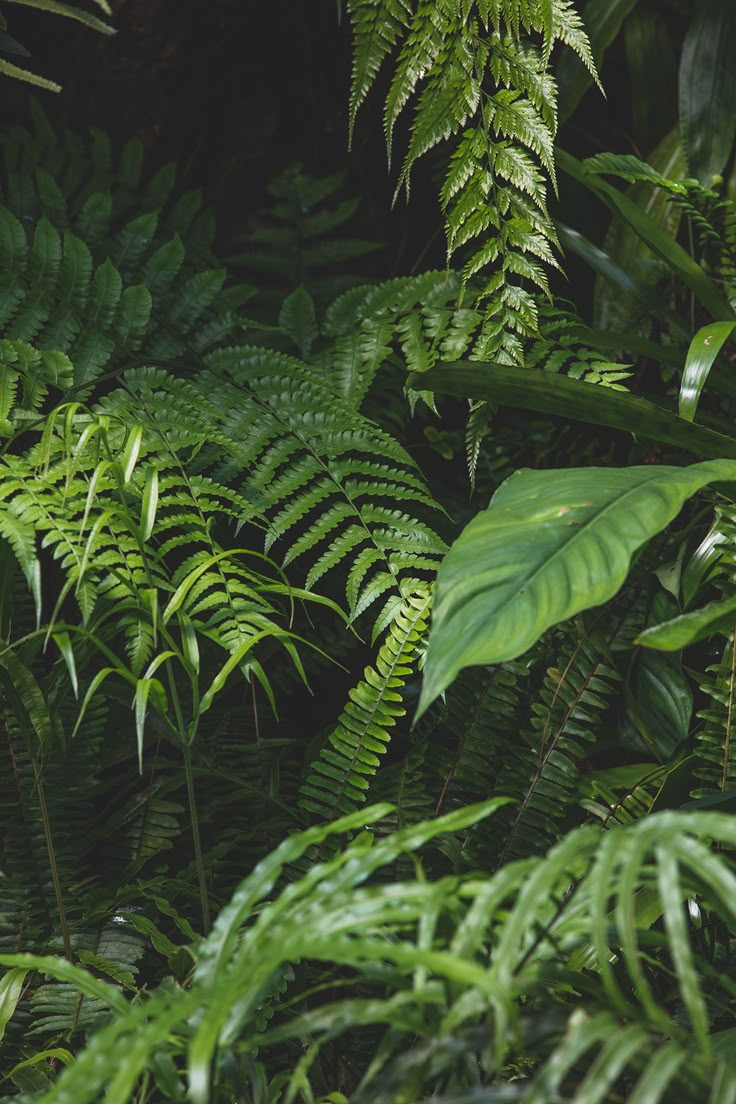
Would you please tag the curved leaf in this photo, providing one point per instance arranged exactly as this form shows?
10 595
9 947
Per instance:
552 543
11 987
704 348
671 636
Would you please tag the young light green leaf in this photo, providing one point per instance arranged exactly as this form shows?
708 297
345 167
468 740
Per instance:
19 73
552 543
704 348
65 971
131 452
143 690
189 643
672 895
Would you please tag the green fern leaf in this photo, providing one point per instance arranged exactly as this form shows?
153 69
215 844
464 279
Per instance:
339 778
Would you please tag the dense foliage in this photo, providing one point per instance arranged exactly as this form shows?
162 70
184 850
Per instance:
368 646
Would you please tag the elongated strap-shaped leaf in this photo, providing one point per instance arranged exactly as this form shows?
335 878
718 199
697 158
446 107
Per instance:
652 234
671 636
530 389
19 73
704 348
71 11
552 543
707 90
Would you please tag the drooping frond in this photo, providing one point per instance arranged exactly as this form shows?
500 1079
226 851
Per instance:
476 74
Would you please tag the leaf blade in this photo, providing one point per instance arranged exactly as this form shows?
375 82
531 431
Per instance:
550 545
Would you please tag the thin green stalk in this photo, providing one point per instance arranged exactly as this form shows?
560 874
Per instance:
192 800
56 881
199 862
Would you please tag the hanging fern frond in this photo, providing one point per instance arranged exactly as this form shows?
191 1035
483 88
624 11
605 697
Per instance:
475 74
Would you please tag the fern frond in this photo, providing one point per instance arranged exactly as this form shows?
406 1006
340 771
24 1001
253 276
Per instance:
474 72
302 450
339 778
715 751
542 772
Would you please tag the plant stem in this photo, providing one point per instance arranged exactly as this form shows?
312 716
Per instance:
184 740
199 862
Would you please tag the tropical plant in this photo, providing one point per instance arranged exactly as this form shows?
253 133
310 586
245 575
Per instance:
229 616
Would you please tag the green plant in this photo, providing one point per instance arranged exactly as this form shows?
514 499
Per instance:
228 614
10 45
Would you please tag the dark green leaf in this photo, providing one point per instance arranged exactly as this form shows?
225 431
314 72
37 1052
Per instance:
583 402
707 91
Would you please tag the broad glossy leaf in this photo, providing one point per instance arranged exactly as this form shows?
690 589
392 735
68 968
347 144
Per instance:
704 348
671 636
552 543
546 393
707 91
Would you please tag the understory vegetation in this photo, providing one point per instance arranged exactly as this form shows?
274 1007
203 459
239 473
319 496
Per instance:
368 628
